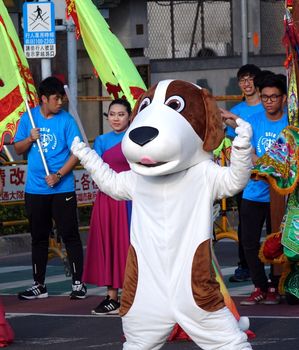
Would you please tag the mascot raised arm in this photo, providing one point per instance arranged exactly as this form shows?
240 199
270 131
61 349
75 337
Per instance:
173 183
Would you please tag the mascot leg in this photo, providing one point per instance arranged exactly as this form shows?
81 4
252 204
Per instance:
146 316
216 330
144 333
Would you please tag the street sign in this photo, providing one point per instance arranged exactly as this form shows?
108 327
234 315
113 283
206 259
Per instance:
39 29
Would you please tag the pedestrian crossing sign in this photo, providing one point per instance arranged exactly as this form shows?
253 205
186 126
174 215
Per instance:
39 29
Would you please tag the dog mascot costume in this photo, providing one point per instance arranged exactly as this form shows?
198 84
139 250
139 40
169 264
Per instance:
173 183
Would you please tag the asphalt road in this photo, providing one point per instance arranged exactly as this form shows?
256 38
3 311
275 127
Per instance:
56 332
59 323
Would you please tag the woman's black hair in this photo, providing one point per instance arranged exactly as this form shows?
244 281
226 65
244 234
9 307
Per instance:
123 102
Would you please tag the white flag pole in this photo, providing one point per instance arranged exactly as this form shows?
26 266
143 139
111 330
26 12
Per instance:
8 154
38 140
74 112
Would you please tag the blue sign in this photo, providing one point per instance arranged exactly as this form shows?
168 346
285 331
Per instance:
39 29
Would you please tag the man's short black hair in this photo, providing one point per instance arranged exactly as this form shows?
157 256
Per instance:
51 86
248 69
258 79
278 81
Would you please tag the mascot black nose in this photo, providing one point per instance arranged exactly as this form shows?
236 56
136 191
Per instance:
143 135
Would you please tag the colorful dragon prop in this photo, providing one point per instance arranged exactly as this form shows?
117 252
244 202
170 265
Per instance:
279 166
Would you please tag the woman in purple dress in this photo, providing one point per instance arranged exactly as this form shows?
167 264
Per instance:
108 239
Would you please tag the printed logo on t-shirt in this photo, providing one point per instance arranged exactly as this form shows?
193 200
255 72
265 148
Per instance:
48 140
266 141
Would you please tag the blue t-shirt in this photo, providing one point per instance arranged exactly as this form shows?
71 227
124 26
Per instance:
244 111
265 133
56 137
106 141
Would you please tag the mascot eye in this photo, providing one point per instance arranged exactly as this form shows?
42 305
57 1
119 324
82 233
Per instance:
144 104
175 102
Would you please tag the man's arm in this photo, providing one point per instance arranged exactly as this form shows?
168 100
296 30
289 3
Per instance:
24 145
255 157
53 179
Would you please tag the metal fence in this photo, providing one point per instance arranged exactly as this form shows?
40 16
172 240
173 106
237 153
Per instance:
272 27
196 28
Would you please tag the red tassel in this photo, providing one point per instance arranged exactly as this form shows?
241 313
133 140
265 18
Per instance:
6 332
251 335
178 334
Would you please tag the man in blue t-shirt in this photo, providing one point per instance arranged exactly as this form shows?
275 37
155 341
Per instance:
255 209
50 196
251 104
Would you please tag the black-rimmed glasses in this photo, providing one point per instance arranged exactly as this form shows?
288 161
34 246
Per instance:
249 80
272 98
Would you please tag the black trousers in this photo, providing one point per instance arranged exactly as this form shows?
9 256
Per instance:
242 259
253 217
41 210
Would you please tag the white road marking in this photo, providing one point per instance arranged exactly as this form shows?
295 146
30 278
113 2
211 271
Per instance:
8 269
235 289
271 341
10 315
103 345
47 341
28 283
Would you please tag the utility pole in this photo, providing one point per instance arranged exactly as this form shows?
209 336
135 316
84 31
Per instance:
72 60
244 27
46 70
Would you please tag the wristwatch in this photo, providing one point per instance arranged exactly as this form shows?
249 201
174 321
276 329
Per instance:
58 174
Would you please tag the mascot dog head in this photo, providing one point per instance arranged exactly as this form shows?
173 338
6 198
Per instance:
175 125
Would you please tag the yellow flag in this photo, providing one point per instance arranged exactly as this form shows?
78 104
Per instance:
16 83
110 59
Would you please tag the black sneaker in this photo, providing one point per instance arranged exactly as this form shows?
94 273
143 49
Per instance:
79 291
107 307
37 291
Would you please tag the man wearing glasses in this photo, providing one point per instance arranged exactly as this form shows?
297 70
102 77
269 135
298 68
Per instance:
255 209
250 105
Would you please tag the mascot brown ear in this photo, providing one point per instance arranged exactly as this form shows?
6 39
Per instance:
149 93
214 133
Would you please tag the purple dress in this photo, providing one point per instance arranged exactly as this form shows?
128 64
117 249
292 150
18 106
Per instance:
108 239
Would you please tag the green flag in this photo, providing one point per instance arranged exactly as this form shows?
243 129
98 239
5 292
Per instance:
16 83
111 61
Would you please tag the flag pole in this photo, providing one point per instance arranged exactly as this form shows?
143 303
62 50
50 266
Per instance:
74 112
38 140
8 154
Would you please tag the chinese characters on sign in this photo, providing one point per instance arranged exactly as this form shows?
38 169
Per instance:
14 177
39 30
